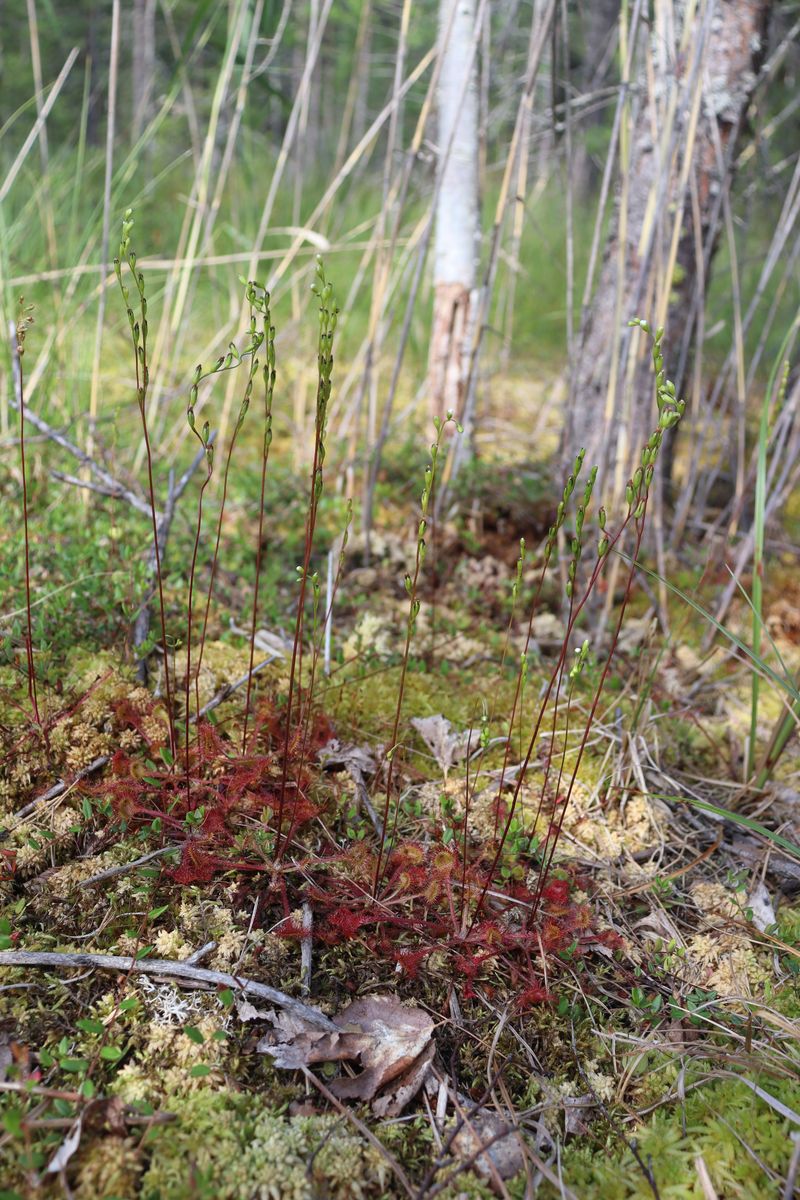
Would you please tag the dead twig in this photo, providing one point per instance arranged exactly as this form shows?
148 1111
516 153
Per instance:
58 789
178 972
230 688
112 487
200 954
123 868
306 949
794 1165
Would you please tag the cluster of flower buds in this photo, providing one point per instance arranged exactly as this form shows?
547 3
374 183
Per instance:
579 662
328 317
577 541
138 326
670 411
561 510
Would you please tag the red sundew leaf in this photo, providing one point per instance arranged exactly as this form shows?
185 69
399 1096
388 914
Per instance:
552 935
443 864
607 937
291 929
408 880
535 993
581 918
411 960
195 866
434 891
556 891
120 764
209 744
410 854
215 821
246 775
347 923
488 934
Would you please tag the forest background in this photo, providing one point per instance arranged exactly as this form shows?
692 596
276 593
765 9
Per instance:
573 224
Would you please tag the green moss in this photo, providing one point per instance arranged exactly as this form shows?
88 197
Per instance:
229 1145
721 1118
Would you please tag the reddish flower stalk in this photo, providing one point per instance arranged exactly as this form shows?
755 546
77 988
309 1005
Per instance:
328 318
412 583
209 449
542 709
139 339
240 420
315 655
547 862
22 327
269 387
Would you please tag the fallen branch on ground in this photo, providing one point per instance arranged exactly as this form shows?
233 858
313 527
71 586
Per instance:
58 789
178 972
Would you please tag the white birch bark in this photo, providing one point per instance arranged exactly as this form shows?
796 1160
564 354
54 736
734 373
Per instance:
457 216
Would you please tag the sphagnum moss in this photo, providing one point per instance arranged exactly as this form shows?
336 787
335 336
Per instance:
230 1146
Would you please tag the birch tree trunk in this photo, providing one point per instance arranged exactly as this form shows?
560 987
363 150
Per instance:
676 154
457 216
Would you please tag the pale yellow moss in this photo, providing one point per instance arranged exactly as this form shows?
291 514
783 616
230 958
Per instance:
371 633
722 957
163 1067
108 1167
169 943
716 902
602 1084
222 664
62 882
51 828
610 831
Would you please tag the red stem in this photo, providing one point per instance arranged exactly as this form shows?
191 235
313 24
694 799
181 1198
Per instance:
213 571
587 730
32 694
523 770
259 556
189 633
298 631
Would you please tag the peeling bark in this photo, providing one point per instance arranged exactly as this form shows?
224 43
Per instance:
612 405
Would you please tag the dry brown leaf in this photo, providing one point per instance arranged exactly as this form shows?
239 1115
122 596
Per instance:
760 902
576 1113
447 746
358 761
387 1038
496 1145
406 1086
6 1054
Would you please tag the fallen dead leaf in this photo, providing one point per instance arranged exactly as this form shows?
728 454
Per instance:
577 1110
447 746
484 1134
66 1150
392 1042
344 756
760 903
406 1086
